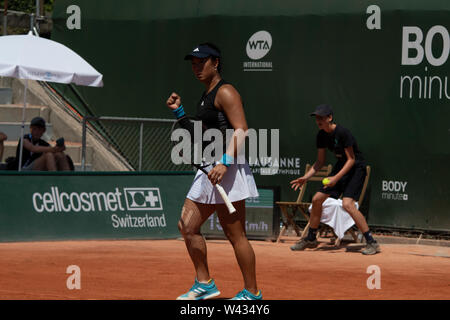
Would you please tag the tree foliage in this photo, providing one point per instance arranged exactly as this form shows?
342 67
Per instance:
28 6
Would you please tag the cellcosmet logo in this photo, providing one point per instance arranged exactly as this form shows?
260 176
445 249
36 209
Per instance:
131 199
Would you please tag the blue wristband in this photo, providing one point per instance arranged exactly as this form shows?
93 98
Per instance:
179 112
226 160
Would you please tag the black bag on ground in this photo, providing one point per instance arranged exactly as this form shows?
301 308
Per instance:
12 163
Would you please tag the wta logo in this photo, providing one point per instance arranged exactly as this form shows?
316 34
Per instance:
257 47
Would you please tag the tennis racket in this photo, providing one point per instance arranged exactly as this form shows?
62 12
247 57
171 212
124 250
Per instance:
188 123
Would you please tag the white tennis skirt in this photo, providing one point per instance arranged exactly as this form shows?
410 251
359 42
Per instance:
238 183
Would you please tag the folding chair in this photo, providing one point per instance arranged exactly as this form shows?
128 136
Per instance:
290 209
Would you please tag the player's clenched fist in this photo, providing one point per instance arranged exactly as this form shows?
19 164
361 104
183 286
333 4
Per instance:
174 101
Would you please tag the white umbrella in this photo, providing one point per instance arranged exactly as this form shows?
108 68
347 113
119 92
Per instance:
35 58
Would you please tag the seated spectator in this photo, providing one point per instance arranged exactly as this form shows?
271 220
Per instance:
37 154
3 137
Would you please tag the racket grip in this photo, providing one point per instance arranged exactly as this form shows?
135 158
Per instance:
225 198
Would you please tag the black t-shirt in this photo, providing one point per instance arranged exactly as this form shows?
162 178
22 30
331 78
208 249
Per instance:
28 156
337 141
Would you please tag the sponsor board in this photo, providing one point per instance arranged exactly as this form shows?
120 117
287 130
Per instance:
92 206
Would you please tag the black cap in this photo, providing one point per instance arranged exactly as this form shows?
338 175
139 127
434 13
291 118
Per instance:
322 110
202 51
38 122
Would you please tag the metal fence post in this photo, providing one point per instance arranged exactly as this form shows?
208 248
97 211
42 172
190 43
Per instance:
141 134
5 18
5 25
83 146
31 22
38 14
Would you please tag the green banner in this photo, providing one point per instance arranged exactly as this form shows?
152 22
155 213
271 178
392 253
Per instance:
382 66
91 206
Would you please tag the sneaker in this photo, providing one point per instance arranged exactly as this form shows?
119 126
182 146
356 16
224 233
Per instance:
371 248
201 291
247 295
303 244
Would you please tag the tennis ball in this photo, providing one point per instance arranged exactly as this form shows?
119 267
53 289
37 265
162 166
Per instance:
325 181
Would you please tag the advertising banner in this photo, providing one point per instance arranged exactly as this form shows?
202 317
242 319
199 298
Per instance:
91 206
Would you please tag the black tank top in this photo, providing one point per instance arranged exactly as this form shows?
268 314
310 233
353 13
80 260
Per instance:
210 116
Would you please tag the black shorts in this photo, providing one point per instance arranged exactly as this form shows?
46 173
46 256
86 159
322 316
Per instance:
350 185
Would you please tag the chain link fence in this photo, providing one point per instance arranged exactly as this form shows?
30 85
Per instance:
144 143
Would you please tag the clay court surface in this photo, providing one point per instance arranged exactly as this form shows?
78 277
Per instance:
161 269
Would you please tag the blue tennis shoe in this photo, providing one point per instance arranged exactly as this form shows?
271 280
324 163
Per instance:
201 291
247 295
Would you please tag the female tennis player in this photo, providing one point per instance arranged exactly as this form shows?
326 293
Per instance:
347 178
220 107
